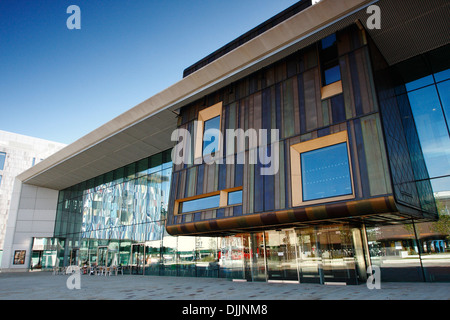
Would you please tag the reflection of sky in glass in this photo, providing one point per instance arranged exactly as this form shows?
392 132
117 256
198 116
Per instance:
210 138
419 83
329 41
2 160
332 75
444 94
432 130
440 184
443 75
325 172
235 197
200 204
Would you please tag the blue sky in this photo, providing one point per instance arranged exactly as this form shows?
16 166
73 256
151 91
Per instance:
60 84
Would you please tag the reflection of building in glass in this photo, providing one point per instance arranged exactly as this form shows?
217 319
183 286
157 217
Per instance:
363 152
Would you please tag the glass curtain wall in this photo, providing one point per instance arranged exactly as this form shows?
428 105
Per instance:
109 220
421 251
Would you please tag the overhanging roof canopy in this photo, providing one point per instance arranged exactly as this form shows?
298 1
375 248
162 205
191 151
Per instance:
408 28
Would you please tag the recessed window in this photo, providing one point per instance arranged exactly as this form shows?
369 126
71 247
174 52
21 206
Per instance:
235 197
329 67
2 160
207 139
218 199
326 173
211 135
328 41
321 170
200 204
331 75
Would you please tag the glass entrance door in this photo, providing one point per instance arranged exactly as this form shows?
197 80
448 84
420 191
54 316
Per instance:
137 258
257 256
336 247
102 253
281 255
73 257
309 258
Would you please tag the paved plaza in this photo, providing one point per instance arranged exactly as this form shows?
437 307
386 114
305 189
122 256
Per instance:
46 286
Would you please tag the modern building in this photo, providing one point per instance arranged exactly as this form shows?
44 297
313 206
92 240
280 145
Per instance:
305 150
18 153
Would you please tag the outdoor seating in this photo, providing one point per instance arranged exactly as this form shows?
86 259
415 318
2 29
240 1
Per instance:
55 270
89 270
119 269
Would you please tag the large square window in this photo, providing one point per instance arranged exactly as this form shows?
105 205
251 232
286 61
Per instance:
326 173
321 170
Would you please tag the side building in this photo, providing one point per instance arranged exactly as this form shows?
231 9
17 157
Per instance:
17 154
306 150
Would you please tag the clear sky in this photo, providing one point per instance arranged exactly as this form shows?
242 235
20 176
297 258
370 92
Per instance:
60 84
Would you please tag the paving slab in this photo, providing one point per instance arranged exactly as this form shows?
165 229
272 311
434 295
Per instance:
46 286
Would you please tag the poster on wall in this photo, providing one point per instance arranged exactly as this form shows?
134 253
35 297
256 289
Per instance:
19 257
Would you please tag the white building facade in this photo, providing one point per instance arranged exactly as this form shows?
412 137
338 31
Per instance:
17 154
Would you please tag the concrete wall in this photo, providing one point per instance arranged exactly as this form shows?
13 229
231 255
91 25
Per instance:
32 214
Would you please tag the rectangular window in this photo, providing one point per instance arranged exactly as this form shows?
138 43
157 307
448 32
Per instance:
332 74
235 197
211 135
328 42
208 138
213 200
321 170
2 160
200 204
329 67
326 173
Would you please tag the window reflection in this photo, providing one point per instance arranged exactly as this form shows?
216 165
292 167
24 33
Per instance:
2 160
332 74
444 95
432 130
326 172
234 197
200 204
419 83
395 250
210 135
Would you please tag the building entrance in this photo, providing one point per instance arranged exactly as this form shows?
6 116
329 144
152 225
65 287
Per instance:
281 249
325 254
137 258
102 253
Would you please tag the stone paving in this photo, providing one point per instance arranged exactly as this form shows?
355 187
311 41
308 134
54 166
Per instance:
46 286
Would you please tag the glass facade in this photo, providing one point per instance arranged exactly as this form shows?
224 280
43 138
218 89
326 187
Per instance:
421 251
100 220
